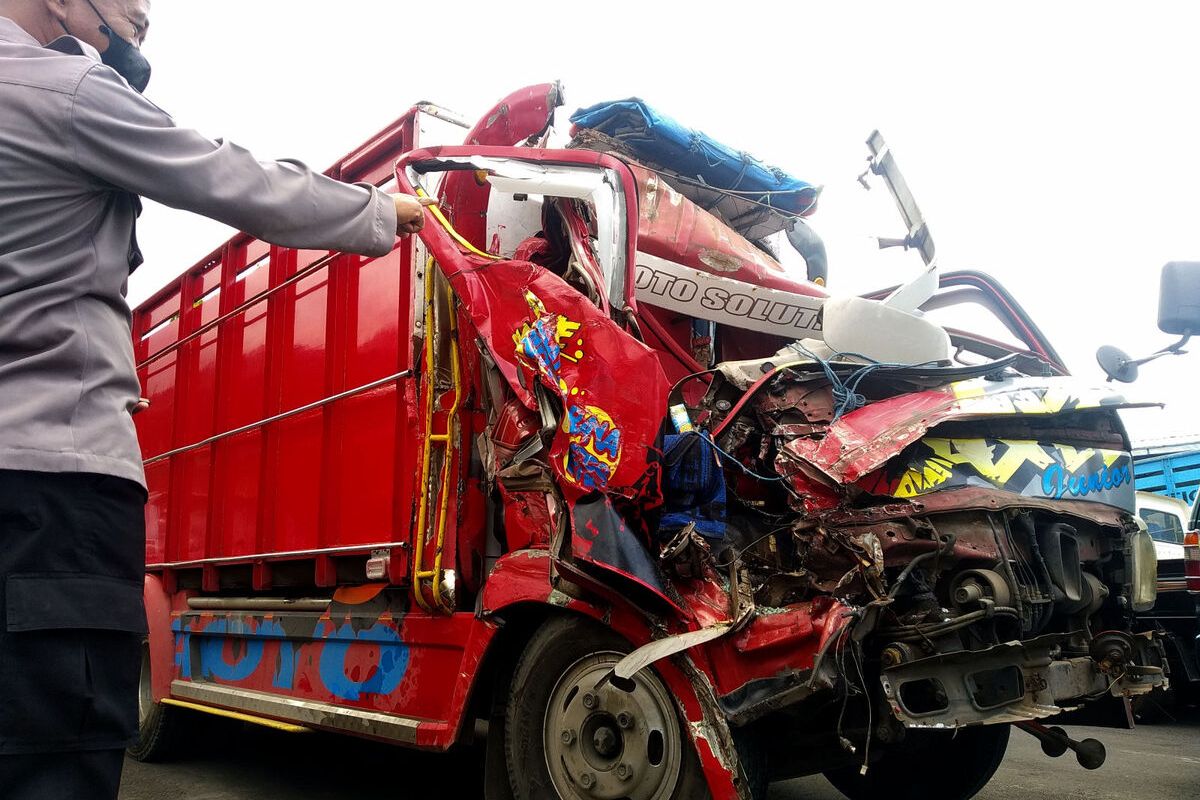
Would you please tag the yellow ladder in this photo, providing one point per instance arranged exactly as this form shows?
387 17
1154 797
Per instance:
433 576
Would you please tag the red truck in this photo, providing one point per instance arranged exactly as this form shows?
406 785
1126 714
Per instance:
585 463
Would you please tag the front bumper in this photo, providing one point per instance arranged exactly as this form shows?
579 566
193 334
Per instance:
1014 681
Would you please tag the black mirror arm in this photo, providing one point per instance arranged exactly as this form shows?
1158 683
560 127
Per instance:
1174 349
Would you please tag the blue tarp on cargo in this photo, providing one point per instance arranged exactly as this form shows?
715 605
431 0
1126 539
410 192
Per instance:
658 139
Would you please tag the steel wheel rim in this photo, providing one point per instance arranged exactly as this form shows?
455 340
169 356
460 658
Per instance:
607 744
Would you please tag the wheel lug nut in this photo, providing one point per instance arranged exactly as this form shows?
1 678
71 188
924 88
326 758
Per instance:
587 780
591 701
625 720
624 772
567 736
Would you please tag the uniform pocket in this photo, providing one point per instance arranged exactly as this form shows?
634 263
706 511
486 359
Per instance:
62 601
70 652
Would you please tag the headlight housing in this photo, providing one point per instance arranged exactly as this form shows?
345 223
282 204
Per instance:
1143 569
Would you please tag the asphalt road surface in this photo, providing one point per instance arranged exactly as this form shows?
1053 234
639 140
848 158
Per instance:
230 761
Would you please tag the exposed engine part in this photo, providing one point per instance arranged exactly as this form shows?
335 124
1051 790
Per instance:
686 555
979 602
1059 548
898 653
1008 682
1112 651
975 587
1093 593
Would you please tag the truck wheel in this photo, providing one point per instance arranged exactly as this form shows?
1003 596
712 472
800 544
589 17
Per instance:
566 739
929 765
156 722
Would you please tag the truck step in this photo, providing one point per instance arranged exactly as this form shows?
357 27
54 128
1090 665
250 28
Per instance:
266 722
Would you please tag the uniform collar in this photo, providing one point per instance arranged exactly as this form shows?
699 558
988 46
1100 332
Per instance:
13 33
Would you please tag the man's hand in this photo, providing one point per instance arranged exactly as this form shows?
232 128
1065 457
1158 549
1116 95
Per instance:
410 213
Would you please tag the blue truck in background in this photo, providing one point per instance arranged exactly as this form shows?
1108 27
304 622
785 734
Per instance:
1170 474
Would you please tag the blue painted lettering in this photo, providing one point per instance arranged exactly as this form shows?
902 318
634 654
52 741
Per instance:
1058 483
604 437
382 679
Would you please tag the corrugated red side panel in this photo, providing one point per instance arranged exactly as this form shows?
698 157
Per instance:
233 349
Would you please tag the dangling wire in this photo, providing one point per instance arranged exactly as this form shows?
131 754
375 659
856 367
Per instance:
737 462
845 390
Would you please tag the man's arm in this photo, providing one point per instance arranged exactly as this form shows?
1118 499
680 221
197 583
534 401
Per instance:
124 139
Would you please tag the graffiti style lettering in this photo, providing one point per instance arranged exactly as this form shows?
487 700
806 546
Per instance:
594 428
183 652
249 640
1057 482
540 348
382 677
1022 467
586 469
285 663
544 343
594 448
593 439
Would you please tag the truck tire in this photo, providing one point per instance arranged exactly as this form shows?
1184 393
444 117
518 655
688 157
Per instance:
567 740
929 765
157 723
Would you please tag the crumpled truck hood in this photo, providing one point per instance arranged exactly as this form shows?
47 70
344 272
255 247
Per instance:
862 441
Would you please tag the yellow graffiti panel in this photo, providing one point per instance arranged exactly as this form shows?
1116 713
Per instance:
1019 466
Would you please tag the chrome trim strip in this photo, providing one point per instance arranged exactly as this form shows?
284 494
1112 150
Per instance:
276 555
304 712
253 604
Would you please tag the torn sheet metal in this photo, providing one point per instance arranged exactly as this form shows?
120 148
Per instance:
611 386
778 650
584 262
659 649
862 441
527 490
675 229
523 114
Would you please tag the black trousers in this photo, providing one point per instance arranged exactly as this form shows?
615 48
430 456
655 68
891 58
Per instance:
62 776
72 555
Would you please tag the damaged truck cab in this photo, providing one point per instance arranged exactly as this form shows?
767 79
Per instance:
587 463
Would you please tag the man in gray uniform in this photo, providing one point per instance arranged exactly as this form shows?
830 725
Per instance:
78 145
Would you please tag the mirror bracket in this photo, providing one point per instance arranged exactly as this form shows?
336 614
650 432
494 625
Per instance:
1120 367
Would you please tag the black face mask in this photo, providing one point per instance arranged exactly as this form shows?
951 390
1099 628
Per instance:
126 59
122 56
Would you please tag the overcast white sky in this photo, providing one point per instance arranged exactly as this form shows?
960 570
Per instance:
1053 145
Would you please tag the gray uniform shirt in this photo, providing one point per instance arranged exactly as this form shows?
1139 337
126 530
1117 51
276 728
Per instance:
77 146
